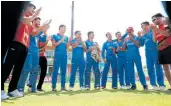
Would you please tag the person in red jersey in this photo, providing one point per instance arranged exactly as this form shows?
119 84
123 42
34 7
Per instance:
17 51
162 34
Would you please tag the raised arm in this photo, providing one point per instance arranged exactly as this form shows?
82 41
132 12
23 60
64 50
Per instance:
154 36
27 20
124 36
154 32
136 42
124 44
74 44
43 28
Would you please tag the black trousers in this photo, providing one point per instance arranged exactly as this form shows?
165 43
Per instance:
43 67
15 58
164 56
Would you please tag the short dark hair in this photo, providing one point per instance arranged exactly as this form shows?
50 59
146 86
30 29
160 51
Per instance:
76 32
107 33
29 5
146 23
90 32
157 15
61 26
117 33
37 18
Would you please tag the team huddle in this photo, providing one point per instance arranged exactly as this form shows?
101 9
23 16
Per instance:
27 53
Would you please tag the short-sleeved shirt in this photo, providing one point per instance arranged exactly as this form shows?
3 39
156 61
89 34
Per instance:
108 48
62 47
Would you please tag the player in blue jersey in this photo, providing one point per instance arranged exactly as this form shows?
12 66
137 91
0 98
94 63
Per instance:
154 68
109 58
78 61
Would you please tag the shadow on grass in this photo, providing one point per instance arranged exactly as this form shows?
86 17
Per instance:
10 100
139 91
70 93
42 93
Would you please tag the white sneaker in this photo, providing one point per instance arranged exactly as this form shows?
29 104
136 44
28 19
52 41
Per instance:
15 93
128 87
22 93
154 88
71 88
161 88
123 87
81 88
4 95
97 88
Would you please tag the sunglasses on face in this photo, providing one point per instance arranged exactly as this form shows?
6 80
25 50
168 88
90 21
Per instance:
154 19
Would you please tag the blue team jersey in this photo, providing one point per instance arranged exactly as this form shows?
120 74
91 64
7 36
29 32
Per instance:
62 47
120 53
77 52
42 38
34 41
148 41
108 48
88 45
132 49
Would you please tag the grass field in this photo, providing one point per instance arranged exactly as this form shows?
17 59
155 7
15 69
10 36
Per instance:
107 97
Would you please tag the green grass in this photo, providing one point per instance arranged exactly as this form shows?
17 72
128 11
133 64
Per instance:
93 97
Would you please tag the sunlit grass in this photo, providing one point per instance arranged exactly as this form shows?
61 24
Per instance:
107 97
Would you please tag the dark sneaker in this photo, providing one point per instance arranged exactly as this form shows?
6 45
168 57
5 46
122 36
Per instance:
54 90
29 85
145 87
64 90
115 88
40 90
133 88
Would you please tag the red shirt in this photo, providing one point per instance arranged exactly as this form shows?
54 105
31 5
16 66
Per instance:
23 34
42 52
158 35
